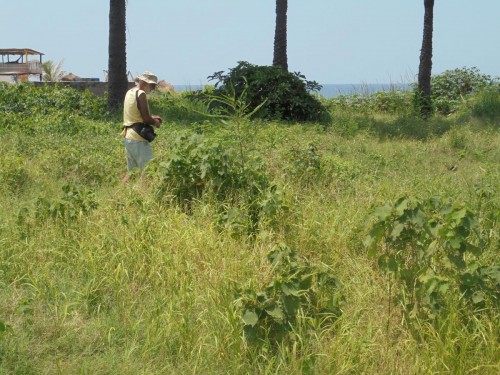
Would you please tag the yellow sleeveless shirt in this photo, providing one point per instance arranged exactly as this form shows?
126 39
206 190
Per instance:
131 114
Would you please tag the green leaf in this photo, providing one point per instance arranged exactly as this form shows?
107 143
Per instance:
376 233
276 312
477 297
433 247
419 218
2 327
434 228
468 280
382 212
368 241
492 272
388 263
396 231
444 287
250 318
401 205
372 250
291 304
289 289
393 263
475 250
457 260
431 285
306 282
455 242
250 333
459 214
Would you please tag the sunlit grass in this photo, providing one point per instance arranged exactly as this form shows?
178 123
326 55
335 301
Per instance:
140 285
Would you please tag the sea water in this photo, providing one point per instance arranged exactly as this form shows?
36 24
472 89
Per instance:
330 90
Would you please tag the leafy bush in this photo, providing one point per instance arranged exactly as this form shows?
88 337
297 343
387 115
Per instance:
432 248
393 102
348 125
298 289
198 165
285 94
76 202
26 101
450 88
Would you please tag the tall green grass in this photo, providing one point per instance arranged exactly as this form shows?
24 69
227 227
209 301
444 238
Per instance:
97 277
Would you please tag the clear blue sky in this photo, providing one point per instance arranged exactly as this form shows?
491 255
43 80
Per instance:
330 41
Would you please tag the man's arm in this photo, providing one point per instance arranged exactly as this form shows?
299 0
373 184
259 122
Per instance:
144 109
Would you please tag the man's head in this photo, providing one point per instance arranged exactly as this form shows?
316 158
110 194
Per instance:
147 81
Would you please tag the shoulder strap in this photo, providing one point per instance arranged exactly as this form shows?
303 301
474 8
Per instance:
137 100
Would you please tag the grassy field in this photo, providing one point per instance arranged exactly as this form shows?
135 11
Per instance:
153 277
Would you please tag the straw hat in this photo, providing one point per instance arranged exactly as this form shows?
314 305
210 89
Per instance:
147 77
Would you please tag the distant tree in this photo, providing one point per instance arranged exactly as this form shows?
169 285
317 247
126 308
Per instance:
52 72
117 55
425 67
280 57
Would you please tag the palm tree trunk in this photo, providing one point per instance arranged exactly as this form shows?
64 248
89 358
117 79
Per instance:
425 67
280 57
117 60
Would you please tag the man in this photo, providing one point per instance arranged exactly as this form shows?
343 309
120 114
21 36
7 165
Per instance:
135 116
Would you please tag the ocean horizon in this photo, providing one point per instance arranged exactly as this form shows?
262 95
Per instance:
332 90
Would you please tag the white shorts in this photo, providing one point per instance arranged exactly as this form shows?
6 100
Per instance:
138 153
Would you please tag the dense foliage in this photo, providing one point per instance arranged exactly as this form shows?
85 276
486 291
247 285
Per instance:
452 87
434 249
27 101
285 95
240 249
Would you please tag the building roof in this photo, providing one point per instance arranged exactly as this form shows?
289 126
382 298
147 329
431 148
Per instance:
19 51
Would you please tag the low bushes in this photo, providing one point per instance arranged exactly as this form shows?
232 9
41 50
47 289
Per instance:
283 95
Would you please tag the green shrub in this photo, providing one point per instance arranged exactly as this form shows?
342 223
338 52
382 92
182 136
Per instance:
285 94
349 125
198 165
25 101
451 88
392 102
433 248
77 201
299 290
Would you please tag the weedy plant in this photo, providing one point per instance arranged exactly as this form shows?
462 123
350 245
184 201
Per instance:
117 281
452 88
486 104
299 293
233 108
13 172
433 248
305 163
76 202
201 168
